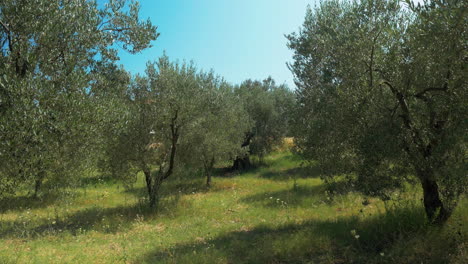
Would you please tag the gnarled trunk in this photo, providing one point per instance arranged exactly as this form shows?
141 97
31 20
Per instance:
149 186
436 212
154 182
243 163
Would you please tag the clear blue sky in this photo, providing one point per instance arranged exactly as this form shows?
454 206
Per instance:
238 39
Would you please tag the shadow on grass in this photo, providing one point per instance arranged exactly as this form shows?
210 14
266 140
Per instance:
345 240
293 197
296 196
289 174
174 187
228 172
98 219
24 202
224 172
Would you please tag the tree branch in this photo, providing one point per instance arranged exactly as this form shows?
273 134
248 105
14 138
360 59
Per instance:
10 44
444 88
174 139
400 97
371 66
430 89
417 140
116 29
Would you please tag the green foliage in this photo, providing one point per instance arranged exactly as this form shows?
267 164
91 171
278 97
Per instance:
48 67
219 130
382 96
268 107
177 118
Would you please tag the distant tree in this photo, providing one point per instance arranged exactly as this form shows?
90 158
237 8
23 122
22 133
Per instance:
268 107
382 96
220 129
50 53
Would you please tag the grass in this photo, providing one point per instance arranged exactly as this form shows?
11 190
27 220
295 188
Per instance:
278 213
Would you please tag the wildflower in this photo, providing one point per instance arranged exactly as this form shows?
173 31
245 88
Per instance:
354 233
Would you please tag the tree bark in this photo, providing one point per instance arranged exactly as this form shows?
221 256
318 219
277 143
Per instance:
208 179
433 205
38 183
208 169
149 186
154 196
241 163
153 200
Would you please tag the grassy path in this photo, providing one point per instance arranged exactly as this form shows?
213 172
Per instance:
280 213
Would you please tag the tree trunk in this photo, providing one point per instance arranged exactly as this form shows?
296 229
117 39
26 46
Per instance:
246 163
38 183
208 169
236 164
153 184
154 196
435 210
208 179
149 187
241 163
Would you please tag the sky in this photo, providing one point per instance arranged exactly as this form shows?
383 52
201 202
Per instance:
237 39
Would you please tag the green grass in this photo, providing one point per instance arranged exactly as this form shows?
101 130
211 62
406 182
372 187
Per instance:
278 213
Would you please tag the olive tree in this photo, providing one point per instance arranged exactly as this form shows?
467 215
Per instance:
218 133
268 108
162 110
382 96
47 68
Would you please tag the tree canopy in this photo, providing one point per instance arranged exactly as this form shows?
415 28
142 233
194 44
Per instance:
48 70
267 106
382 96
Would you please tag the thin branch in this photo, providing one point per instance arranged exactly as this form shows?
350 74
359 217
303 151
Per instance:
371 66
10 44
444 88
430 89
175 139
103 24
399 96
117 29
406 116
